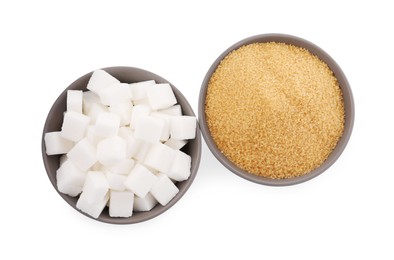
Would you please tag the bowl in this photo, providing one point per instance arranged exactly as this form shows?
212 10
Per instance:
347 98
127 75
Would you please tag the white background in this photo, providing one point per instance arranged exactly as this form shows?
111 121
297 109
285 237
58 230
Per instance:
345 213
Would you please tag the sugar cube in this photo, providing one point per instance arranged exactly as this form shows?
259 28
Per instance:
183 127
74 100
89 98
56 144
83 154
161 96
116 181
149 129
107 124
136 112
160 157
139 89
176 144
96 186
115 94
99 80
95 110
122 167
144 204
167 121
94 208
180 168
121 204
123 110
140 180
74 126
111 150
142 151
70 179
164 189
175 110
132 144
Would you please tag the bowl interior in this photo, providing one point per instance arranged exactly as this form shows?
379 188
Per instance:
126 75
347 97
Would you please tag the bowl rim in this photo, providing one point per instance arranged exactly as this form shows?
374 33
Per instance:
347 98
143 216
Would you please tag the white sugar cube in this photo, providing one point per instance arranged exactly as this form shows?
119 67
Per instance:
123 167
107 124
74 126
99 80
175 110
116 181
165 134
180 168
144 204
136 112
88 99
160 157
74 100
115 94
176 144
183 127
83 154
161 96
95 110
140 180
164 189
70 179
123 111
142 151
149 129
96 186
56 144
111 150
132 144
94 208
139 89
121 204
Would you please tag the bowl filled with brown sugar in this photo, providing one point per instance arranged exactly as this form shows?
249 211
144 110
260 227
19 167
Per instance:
276 109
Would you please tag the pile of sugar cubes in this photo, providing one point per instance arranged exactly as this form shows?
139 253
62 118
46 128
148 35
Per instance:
120 146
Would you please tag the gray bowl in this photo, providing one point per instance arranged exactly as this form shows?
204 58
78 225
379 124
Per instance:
347 96
127 75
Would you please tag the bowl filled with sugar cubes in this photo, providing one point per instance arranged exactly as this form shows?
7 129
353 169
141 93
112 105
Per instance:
121 145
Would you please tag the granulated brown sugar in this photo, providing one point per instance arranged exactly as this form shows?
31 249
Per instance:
274 109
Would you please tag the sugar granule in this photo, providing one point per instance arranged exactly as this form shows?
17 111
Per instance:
274 109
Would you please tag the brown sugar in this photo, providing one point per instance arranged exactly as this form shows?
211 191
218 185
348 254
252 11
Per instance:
274 109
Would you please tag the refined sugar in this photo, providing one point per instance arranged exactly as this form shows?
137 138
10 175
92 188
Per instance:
160 157
83 154
144 102
136 112
140 180
70 179
95 110
74 126
74 100
123 167
123 111
149 129
94 208
176 144
89 98
115 94
164 189
96 186
180 168
183 127
99 80
139 89
161 96
144 204
142 151
111 150
167 121
132 144
107 124
56 144
116 181
172 111
121 204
